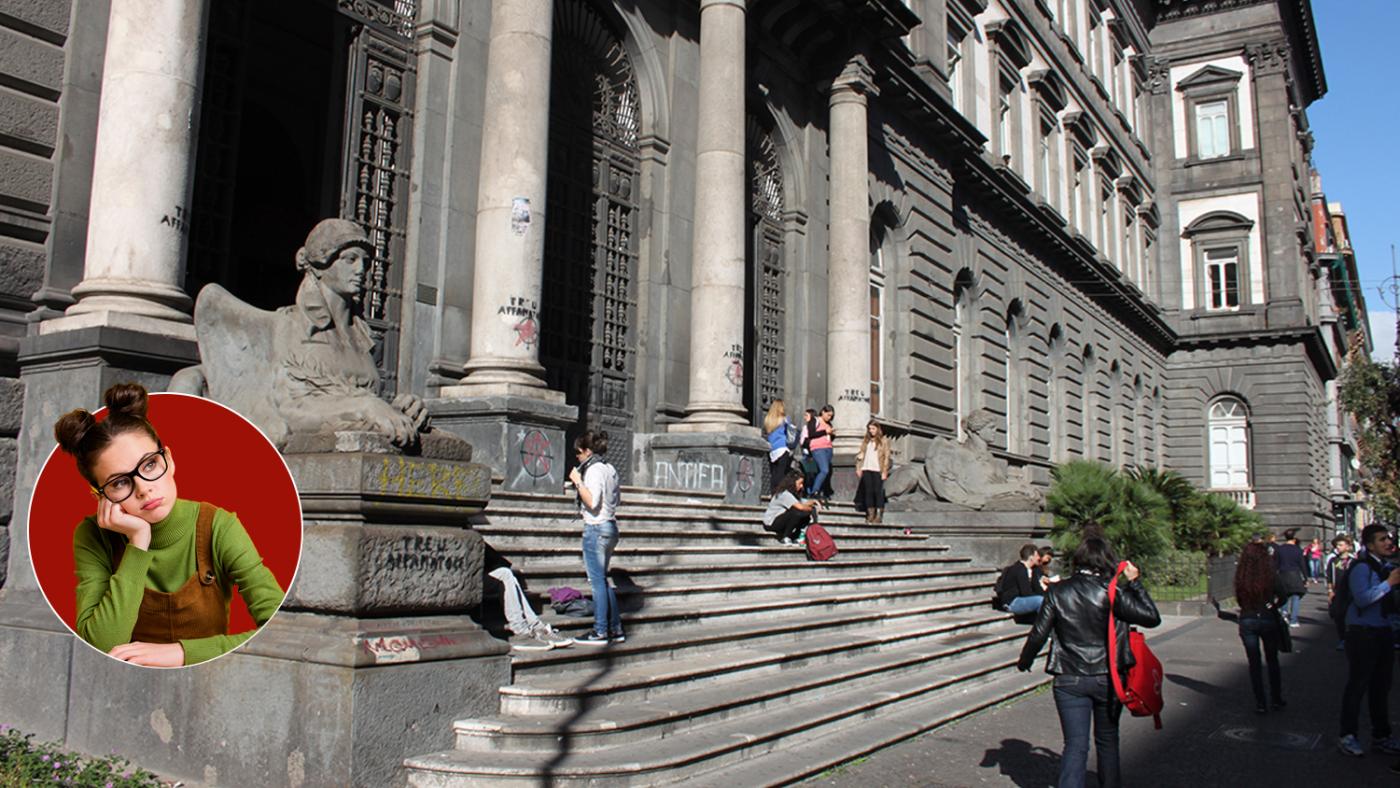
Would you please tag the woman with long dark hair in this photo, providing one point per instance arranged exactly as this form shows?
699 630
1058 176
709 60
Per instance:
1075 613
1256 591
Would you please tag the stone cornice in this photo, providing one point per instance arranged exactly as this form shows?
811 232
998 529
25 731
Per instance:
1168 10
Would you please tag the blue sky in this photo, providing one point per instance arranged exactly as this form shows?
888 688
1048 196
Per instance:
1356 125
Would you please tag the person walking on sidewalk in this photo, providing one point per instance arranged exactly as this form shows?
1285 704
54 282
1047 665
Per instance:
1370 645
777 430
1256 591
873 460
1075 613
1333 569
1292 574
598 496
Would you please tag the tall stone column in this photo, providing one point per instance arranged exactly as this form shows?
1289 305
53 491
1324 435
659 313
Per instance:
721 199
143 171
509 263
848 271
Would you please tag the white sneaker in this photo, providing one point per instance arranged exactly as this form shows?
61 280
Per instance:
531 641
548 634
1348 745
786 540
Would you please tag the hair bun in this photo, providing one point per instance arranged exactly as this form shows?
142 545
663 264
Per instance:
126 399
70 429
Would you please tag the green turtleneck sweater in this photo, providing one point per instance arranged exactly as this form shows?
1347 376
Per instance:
109 602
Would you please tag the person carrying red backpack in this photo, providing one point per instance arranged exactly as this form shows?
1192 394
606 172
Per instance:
1075 613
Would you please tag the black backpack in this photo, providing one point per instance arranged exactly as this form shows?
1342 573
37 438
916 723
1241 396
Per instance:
1341 597
996 593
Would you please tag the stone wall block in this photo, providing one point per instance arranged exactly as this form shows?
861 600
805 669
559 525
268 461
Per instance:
24 176
11 406
28 119
44 18
29 60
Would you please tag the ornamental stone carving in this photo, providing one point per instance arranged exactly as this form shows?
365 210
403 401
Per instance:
304 373
965 473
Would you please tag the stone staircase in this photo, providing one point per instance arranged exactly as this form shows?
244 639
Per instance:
745 664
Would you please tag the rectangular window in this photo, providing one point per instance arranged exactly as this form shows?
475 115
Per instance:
1212 129
1004 130
1079 196
877 316
1045 158
1129 228
955 70
1223 278
1105 238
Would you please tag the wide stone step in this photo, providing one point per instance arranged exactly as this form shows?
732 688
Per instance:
509 538
632 596
628 555
851 625
543 573
755 682
648 615
848 712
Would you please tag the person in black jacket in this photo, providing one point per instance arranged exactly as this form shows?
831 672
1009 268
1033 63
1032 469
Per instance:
1075 613
1019 591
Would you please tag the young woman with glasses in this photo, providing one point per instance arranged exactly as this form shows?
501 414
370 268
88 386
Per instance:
155 572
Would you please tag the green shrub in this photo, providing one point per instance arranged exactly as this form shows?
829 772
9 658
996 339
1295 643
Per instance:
24 763
1175 569
1134 516
1202 522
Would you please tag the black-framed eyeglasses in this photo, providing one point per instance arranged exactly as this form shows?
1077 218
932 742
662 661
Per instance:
151 467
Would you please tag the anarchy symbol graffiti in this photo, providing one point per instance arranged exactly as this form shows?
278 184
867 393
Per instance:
536 454
743 476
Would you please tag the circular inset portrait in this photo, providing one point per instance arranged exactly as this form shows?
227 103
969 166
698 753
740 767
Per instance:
151 515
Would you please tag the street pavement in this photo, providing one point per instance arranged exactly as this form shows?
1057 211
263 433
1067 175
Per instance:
1210 733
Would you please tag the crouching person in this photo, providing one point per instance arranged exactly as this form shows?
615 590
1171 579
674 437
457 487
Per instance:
787 515
527 631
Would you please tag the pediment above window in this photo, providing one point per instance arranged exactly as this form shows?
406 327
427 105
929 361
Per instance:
1218 221
1210 77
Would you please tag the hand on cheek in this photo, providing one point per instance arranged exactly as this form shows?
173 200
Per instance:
152 655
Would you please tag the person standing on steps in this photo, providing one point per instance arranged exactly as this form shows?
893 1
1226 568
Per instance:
819 439
806 463
873 461
1075 613
1257 592
595 481
1370 644
777 430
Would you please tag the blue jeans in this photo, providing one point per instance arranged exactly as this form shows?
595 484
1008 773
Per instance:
598 543
823 458
1022 605
1079 701
1254 630
1290 608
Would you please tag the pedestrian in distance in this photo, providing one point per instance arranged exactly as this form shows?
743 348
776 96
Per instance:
1370 643
1292 573
1019 591
787 515
1333 568
873 460
819 439
1257 592
595 481
1313 553
1075 614
778 432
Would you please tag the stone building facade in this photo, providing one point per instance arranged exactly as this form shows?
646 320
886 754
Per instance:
657 217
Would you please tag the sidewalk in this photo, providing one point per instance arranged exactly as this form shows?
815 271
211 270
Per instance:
1210 734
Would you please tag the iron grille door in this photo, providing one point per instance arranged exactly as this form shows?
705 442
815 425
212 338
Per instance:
766 303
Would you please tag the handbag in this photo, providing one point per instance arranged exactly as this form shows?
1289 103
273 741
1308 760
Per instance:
1140 691
1285 635
809 466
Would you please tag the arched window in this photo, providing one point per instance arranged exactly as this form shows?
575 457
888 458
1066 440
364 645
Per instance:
1015 379
1088 399
1055 396
964 311
1227 425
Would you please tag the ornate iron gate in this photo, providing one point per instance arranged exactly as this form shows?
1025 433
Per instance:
763 333
590 227
378 128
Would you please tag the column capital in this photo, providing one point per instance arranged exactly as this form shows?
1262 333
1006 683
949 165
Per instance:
855 82
1268 57
707 4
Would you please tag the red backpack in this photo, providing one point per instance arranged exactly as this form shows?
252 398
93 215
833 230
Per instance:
1141 693
820 547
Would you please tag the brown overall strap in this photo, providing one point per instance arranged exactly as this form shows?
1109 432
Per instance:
204 544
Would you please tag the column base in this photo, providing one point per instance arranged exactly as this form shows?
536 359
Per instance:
170 325
714 417
521 437
132 296
723 463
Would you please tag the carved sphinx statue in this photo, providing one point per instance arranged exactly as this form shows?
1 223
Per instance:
966 474
305 370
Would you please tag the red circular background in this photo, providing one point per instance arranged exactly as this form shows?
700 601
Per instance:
219 457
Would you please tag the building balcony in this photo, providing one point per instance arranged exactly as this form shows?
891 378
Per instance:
1243 496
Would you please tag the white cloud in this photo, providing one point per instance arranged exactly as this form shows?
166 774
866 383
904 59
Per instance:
1383 335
